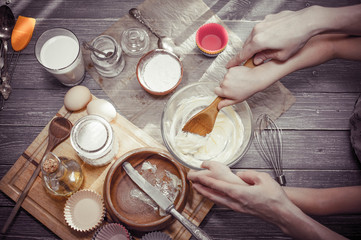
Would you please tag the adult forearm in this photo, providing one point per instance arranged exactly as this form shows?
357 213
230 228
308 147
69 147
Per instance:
295 223
318 50
336 20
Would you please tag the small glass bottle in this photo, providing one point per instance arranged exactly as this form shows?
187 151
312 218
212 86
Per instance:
113 63
61 176
93 139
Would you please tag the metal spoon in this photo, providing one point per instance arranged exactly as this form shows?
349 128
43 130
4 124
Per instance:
163 42
59 130
1 56
87 46
7 23
5 88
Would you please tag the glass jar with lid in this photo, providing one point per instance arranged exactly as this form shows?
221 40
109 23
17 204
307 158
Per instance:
135 41
61 176
113 62
93 139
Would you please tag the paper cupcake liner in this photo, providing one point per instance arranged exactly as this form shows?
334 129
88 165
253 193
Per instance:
209 54
84 210
156 236
211 38
112 231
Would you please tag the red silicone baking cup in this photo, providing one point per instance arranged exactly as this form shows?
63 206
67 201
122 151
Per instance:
212 39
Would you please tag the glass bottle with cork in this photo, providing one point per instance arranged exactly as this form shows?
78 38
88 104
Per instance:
61 176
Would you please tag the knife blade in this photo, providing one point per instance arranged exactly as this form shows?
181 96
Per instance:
163 202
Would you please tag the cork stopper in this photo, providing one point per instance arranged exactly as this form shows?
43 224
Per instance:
50 165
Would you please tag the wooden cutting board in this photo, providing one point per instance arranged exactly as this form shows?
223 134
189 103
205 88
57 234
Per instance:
49 210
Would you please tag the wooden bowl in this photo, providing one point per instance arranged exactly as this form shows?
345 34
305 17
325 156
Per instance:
130 211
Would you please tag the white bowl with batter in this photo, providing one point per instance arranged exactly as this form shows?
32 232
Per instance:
227 143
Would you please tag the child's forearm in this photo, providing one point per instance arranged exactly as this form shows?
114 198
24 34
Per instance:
347 47
326 201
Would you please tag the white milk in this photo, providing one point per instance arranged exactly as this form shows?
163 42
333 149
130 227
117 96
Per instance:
59 55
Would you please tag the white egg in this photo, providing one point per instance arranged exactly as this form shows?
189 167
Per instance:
102 108
77 98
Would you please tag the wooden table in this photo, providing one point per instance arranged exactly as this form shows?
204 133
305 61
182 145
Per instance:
317 150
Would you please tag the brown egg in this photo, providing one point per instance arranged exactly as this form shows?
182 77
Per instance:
77 98
103 108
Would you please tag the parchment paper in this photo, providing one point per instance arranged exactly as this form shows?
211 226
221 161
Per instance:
178 20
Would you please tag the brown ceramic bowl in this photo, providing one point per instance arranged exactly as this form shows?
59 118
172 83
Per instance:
132 212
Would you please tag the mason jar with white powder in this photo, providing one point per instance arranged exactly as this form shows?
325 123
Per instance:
93 139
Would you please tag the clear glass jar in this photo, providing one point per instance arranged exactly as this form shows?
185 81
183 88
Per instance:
61 176
134 41
93 139
113 63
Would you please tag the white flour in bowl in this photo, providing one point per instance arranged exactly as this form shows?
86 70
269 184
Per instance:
161 73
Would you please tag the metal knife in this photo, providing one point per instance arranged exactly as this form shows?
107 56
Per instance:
163 202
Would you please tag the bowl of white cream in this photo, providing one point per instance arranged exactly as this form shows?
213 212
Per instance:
229 140
159 72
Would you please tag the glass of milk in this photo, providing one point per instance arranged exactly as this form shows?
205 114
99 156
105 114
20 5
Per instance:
58 51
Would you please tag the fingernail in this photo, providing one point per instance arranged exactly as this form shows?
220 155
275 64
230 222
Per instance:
257 61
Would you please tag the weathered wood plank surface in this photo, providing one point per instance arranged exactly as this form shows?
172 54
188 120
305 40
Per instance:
317 149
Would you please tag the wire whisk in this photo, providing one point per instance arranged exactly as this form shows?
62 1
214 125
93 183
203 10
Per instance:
269 145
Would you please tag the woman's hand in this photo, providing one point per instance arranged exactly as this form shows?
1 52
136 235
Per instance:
217 171
278 36
249 192
258 194
241 82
